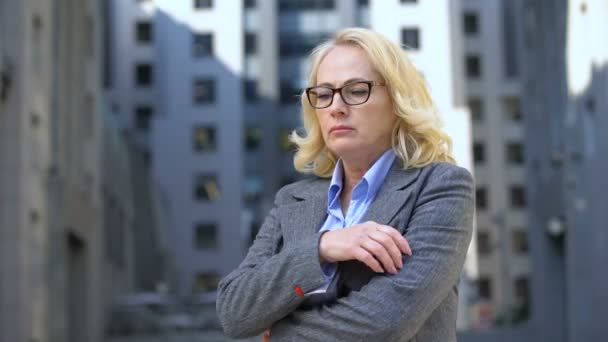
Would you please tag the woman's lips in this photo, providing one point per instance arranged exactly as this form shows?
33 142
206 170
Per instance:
340 129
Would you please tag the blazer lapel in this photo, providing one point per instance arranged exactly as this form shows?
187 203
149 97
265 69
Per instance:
305 217
392 195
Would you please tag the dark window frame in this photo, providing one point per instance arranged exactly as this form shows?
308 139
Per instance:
410 38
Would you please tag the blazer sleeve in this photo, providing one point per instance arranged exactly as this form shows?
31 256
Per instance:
394 307
268 284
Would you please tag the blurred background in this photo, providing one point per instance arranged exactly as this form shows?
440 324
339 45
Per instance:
142 142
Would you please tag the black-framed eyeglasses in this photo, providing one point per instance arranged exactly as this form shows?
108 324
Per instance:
354 93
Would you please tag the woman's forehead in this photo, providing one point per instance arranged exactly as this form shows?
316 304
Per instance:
344 63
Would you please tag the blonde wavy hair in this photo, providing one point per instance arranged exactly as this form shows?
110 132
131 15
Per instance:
417 136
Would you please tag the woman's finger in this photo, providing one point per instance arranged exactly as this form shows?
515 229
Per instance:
365 257
389 244
380 253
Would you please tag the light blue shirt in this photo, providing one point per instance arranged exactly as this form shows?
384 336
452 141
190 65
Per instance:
362 197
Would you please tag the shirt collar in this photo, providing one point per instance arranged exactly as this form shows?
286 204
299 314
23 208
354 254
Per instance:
373 178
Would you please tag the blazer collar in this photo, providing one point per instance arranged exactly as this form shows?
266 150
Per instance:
391 197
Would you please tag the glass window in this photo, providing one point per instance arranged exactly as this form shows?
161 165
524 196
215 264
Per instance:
521 288
144 75
479 154
303 5
518 197
203 139
473 66
512 108
253 138
143 32
290 94
205 236
252 189
409 1
484 243
200 4
515 153
299 44
206 282
285 143
485 287
202 45
250 87
476 107
250 43
143 115
520 241
410 38
481 199
249 4
203 91
206 187
471 23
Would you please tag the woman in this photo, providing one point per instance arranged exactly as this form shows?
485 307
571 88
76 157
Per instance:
372 247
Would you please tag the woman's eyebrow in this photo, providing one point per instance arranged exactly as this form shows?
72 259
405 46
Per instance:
350 80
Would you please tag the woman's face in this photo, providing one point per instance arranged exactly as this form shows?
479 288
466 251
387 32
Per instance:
354 132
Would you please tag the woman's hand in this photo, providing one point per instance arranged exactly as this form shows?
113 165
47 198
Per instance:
378 246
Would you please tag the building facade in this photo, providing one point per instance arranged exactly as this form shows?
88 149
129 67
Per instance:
214 105
66 207
494 90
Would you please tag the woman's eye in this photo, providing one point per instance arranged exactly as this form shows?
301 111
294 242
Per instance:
359 92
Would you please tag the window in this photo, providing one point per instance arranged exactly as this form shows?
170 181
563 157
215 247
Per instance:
303 5
250 43
252 189
363 3
512 108
518 197
485 287
473 66
515 153
479 154
248 4
143 75
203 91
200 4
143 114
206 187
285 142
484 243
471 23
510 26
206 282
202 45
203 139
521 288
298 44
409 1
250 87
205 236
253 138
410 38
143 32
520 241
481 199
476 107
289 93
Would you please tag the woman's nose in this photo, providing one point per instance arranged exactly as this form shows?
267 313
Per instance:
338 106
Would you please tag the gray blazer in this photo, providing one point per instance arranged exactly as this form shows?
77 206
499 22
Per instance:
433 206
